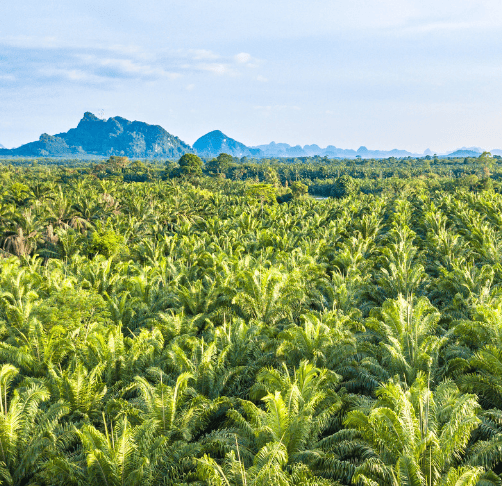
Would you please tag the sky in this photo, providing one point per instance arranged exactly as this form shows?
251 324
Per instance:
385 74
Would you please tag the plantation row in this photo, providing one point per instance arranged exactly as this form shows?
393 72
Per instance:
190 332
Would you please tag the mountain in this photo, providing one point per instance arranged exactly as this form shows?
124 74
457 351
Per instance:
214 143
1 146
114 136
285 150
280 150
312 150
464 152
473 149
332 151
46 146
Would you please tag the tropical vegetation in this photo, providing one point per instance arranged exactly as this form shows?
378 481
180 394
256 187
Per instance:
214 324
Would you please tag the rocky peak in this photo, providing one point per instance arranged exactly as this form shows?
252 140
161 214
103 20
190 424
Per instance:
216 142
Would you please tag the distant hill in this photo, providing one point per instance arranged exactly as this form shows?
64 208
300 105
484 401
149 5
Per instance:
464 153
473 149
285 150
214 143
138 140
115 136
279 150
46 146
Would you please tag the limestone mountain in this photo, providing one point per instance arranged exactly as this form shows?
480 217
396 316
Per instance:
312 150
214 143
285 150
464 152
381 154
281 150
45 146
114 136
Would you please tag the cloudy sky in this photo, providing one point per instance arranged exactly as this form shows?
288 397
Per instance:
410 74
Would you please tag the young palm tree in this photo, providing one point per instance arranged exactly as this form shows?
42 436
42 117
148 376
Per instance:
124 454
409 337
266 295
417 436
298 409
28 431
324 339
401 273
82 390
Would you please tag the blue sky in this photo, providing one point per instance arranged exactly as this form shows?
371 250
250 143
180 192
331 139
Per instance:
380 73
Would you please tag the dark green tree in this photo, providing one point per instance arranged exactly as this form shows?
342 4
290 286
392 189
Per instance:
221 163
190 165
298 189
344 186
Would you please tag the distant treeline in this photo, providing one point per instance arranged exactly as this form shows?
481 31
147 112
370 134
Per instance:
318 173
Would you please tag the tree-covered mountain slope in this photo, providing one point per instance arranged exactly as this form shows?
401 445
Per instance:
114 136
216 142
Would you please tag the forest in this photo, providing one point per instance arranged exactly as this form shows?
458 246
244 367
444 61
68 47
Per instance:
244 323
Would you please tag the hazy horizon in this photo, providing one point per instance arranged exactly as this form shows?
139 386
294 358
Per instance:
473 148
382 74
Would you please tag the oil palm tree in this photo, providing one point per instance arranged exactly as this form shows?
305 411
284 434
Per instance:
324 339
298 409
266 295
28 431
416 436
408 336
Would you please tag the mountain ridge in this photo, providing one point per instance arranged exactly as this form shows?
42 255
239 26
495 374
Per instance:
463 152
114 136
285 150
94 136
216 142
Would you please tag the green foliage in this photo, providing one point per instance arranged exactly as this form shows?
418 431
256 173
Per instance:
344 186
105 243
298 189
190 164
415 436
265 193
191 331
220 164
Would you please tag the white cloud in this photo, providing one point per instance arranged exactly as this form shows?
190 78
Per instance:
28 41
73 75
190 87
218 68
246 59
118 62
130 67
203 55
262 79
243 58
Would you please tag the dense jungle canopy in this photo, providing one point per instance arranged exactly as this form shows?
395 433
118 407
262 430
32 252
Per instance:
216 324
